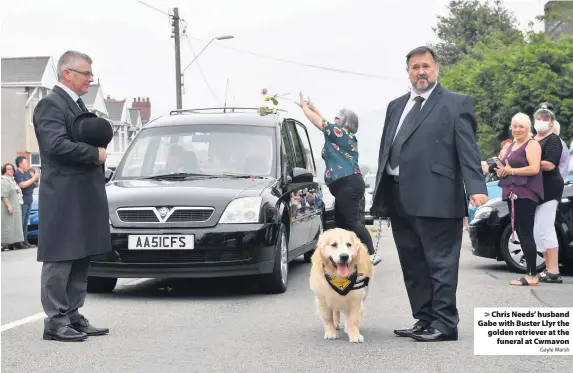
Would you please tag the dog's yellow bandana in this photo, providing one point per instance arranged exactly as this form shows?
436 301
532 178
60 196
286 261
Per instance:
343 285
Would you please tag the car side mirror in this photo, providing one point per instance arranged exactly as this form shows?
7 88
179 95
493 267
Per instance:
108 174
300 175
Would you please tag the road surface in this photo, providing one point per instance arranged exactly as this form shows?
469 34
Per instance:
227 326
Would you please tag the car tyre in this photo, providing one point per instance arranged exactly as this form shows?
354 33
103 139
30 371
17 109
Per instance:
308 255
101 284
506 253
277 281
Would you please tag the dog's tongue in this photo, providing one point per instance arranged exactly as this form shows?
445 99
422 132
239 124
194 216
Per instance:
342 270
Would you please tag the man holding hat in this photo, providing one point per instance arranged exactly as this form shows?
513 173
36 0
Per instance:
73 209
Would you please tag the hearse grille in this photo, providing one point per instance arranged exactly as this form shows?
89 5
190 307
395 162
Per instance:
182 256
164 214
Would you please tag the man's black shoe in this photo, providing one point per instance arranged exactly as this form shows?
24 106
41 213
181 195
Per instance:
64 334
409 332
84 326
434 335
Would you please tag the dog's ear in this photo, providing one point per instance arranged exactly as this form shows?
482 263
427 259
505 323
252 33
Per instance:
317 255
362 258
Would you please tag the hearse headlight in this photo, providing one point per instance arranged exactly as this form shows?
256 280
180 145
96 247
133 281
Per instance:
242 210
482 213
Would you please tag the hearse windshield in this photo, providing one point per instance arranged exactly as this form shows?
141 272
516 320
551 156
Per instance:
196 150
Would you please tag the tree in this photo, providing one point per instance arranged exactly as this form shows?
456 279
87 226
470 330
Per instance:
469 23
515 78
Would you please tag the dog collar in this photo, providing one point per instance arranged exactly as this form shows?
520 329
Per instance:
344 285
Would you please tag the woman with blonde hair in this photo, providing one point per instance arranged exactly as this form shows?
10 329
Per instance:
522 188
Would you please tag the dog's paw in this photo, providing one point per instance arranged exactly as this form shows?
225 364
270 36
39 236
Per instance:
356 338
331 336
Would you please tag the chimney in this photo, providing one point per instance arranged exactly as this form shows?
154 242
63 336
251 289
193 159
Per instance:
144 107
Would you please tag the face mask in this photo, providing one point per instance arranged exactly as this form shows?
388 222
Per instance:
541 126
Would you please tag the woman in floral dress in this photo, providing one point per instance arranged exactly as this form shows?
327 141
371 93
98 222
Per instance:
342 175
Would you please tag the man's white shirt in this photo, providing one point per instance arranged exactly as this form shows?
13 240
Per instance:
407 109
71 93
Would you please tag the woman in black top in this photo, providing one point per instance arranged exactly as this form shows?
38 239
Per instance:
544 228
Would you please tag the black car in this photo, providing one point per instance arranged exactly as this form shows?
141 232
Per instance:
211 193
491 233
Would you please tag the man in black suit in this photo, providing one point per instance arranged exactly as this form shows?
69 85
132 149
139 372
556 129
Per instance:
73 209
429 161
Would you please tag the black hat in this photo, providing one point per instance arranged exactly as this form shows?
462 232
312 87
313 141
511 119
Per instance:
91 129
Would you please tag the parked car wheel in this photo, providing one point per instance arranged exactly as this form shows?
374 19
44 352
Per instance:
101 284
513 255
277 282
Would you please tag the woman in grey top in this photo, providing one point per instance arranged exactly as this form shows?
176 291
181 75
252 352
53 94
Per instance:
12 235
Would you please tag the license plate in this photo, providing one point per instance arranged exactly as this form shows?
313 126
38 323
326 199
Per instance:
161 242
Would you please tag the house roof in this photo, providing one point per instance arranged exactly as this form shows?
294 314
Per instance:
89 98
134 113
23 69
115 109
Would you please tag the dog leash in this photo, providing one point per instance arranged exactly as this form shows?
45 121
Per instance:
379 235
513 197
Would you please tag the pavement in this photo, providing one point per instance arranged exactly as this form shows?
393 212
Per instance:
226 325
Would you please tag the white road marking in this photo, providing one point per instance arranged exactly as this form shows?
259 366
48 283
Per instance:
137 282
24 321
42 315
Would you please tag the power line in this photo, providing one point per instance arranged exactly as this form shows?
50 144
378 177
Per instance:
199 66
309 65
342 71
174 20
154 8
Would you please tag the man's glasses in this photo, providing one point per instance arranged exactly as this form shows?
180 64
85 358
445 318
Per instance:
84 73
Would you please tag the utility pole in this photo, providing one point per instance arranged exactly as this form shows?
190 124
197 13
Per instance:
175 35
226 92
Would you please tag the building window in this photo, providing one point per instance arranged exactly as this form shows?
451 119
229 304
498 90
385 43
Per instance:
35 160
37 95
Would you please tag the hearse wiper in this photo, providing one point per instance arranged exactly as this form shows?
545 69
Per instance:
177 175
242 176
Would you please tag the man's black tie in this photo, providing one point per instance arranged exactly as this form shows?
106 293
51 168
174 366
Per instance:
82 105
403 132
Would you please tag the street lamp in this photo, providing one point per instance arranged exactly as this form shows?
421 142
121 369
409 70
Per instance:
224 37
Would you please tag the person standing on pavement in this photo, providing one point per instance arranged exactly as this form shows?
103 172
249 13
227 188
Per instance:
565 157
11 218
544 228
429 165
523 190
27 183
73 209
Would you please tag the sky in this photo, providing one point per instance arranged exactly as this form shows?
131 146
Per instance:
133 51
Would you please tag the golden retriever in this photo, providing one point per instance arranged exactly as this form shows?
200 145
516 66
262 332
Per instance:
339 253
